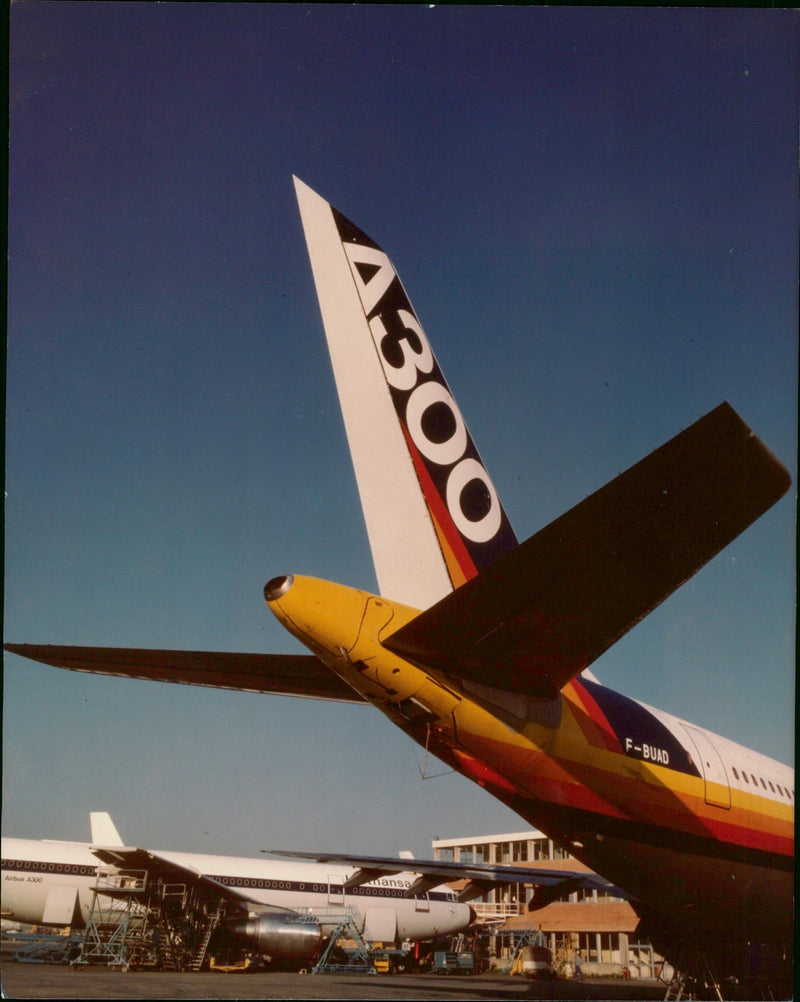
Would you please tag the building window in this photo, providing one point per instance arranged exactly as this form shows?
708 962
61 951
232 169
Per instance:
587 946
541 849
609 948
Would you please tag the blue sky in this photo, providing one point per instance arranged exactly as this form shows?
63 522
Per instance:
594 212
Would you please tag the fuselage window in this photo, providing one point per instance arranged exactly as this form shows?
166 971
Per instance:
763 783
755 781
736 774
744 777
770 785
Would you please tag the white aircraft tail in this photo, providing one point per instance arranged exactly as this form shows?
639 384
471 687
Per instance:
104 831
434 519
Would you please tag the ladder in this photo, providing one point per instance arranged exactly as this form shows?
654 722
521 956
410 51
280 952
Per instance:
680 985
213 921
565 954
676 987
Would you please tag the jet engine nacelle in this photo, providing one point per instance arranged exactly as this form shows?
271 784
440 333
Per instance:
281 934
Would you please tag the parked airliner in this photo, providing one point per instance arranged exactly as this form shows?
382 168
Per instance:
477 645
51 883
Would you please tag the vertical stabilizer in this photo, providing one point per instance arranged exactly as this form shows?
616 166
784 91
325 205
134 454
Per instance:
434 519
104 831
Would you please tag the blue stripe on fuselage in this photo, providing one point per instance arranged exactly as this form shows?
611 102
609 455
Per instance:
640 733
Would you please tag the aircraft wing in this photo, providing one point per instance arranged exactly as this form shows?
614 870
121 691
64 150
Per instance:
157 867
281 674
481 877
544 611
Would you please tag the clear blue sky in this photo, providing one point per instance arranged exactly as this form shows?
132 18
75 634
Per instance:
594 212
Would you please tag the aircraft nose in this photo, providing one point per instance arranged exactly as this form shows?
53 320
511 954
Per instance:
277 587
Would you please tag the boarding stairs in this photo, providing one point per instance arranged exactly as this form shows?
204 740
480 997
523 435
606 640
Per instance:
211 924
347 952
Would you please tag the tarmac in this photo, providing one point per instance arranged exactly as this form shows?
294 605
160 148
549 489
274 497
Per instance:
59 981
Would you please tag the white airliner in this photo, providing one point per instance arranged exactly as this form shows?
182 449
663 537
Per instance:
51 883
477 646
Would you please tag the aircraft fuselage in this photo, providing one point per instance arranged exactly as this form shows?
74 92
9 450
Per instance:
31 870
660 806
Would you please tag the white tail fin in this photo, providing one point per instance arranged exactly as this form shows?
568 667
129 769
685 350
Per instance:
434 519
103 830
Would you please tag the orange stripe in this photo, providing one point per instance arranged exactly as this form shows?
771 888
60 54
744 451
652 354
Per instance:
593 722
579 785
460 565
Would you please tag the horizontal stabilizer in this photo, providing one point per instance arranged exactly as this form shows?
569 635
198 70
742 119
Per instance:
547 609
280 674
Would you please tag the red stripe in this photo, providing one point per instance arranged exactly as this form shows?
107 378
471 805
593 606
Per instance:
590 788
604 729
440 514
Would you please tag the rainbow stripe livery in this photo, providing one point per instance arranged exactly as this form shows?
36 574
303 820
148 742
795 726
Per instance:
477 647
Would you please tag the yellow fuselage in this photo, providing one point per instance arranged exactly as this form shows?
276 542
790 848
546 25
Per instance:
641 820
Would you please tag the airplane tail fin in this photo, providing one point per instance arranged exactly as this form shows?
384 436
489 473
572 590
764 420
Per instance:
104 831
434 519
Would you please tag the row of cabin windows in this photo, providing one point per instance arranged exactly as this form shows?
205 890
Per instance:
776 788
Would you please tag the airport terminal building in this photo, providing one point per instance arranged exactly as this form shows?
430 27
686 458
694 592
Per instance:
596 927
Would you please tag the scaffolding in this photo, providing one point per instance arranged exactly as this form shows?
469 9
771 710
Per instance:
134 922
117 920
